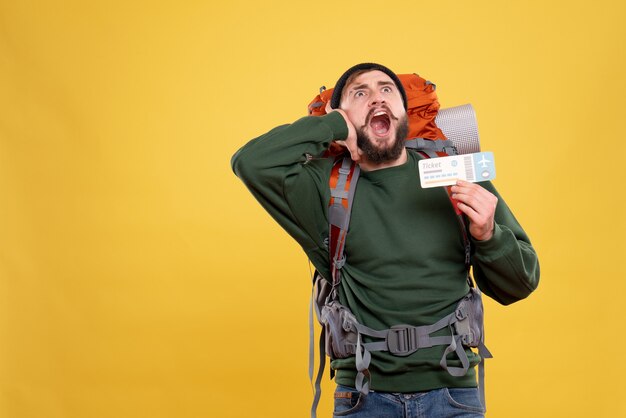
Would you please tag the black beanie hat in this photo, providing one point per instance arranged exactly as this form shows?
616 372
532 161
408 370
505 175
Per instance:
341 83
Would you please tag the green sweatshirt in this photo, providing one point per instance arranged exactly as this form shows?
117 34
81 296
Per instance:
404 248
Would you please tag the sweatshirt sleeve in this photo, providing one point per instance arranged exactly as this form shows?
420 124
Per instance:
506 266
278 169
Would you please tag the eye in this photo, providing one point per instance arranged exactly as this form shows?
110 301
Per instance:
359 93
387 89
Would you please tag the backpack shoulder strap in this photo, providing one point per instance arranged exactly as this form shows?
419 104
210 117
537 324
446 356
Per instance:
343 180
342 183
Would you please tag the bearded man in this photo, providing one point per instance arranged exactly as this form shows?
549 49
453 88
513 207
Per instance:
405 254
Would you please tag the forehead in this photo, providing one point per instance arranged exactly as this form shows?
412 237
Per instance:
370 78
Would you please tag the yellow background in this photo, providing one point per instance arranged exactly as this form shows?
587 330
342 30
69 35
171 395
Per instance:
138 277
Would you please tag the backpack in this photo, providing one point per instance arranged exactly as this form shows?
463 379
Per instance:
341 334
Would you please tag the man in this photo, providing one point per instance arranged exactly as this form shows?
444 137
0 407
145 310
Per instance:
405 257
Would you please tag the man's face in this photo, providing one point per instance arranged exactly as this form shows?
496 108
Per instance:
374 105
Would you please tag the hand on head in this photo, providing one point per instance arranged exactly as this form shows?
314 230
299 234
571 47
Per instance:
350 142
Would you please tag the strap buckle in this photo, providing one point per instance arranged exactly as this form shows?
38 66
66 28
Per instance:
453 149
344 171
461 313
339 263
402 340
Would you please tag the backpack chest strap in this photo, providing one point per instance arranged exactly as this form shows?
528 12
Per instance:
432 148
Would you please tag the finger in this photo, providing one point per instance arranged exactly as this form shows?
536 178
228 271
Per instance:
469 199
475 213
471 213
479 209
354 152
327 108
474 195
466 187
478 222
480 225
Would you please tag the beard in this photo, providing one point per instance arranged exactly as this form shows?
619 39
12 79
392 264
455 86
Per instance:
379 155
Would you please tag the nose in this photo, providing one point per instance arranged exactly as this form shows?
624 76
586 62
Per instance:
376 99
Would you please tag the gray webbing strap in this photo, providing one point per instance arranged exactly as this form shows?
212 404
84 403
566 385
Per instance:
317 387
318 379
370 332
339 191
363 360
403 340
431 147
339 194
484 354
355 176
311 334
481 373
455 346
338 215
424 342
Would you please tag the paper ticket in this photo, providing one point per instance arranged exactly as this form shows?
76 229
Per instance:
445 171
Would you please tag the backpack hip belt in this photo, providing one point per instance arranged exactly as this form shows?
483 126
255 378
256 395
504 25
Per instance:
343 336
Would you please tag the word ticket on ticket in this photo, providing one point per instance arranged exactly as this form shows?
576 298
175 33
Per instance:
445 171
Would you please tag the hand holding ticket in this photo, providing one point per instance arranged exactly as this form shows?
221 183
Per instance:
445 171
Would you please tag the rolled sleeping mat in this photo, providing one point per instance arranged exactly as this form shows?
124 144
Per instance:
459 125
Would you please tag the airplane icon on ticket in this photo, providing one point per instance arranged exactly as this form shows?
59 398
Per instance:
484 162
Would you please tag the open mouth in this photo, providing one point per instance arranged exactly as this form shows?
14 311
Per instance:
380 123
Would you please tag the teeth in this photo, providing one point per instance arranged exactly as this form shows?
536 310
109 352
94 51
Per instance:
380 112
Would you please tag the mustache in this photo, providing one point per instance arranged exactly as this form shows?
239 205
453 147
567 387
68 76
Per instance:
383 107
